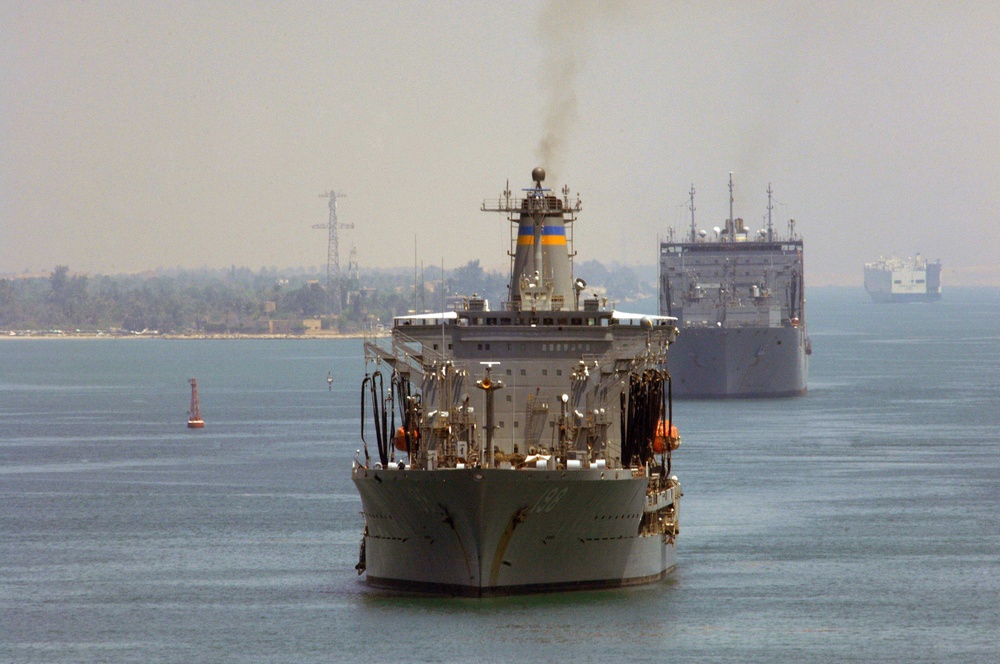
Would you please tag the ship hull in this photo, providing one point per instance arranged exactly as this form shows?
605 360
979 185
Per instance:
743 362
893 298
483 532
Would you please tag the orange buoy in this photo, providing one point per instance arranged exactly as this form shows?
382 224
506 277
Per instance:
194 415
662 442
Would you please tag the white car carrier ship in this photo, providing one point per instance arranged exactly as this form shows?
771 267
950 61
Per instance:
897 280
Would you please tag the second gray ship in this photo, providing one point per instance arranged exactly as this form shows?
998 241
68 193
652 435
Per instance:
739 300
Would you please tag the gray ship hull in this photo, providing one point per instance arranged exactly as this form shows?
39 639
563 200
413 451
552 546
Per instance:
494 531
742 362
534 445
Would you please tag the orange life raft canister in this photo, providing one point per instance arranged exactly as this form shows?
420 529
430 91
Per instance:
662 442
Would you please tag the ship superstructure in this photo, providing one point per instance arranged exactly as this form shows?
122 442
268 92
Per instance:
898 280
522 449
739 300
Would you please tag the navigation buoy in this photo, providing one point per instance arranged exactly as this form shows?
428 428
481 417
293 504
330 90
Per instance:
329 381
194 415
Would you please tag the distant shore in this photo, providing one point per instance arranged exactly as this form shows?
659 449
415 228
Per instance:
24 334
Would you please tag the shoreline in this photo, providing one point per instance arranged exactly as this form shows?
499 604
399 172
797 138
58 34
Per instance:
185 337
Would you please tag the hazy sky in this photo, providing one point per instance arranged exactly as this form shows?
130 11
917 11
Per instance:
136 135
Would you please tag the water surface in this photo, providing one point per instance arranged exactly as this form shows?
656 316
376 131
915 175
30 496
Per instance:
858 523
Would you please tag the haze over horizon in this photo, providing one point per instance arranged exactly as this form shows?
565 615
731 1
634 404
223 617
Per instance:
141 135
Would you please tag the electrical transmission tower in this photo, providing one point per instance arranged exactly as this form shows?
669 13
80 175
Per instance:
352 266
333 285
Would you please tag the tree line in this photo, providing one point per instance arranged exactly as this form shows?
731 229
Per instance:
240 300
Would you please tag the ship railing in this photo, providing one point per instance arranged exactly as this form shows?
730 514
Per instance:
733 322
544 203
404 351
417 349
615 369
753 238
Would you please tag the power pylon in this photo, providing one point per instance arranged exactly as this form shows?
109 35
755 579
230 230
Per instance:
352 265
333 285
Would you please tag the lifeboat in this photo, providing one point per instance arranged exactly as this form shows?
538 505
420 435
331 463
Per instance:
399 441
663 441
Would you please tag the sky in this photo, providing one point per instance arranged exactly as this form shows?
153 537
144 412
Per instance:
144 135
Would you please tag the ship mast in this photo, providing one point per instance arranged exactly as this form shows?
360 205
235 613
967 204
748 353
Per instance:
692 208
730 225
770 230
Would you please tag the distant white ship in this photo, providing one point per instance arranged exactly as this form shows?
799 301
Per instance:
897 280
533 446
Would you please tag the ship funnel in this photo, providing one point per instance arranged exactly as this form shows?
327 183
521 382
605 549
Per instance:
541 276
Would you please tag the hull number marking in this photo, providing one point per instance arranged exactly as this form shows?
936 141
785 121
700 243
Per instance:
549 500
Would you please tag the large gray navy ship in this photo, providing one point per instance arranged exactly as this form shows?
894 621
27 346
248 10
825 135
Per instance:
522 449
739 299
897 280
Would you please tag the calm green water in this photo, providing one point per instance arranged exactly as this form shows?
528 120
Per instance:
859 523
